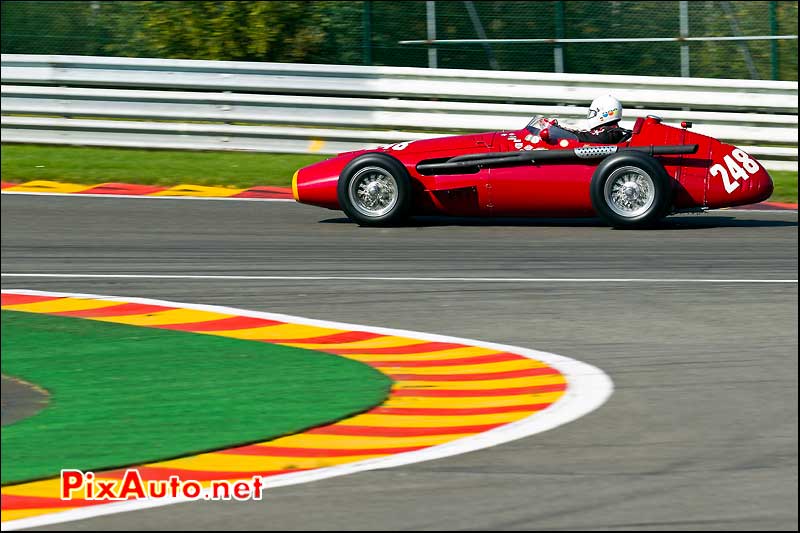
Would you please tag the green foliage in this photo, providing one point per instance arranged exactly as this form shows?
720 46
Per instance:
231 30
50 28
340 32
727 59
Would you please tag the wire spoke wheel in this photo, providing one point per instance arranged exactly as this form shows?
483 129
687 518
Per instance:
373 191
629 191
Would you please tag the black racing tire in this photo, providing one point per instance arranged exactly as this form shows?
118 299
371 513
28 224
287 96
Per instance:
389 186
646 201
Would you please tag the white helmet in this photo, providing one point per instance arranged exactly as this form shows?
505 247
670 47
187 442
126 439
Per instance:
603 110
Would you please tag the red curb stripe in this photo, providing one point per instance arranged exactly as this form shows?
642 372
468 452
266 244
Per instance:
279 451
335 338
222 324
398 350
115 310
6 184
422 411
439 393
477 360
123 188
149 473
19 299
770 206
542 371
271 188
380 431
12 502
782 205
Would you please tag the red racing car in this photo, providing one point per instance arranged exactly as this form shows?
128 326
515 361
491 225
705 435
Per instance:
541 170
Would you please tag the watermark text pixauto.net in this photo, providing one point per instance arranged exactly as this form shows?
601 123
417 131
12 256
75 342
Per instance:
76 484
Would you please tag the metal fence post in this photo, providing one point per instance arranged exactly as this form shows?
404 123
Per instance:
430 8
773 28
558 51
476 23
684 23
367 36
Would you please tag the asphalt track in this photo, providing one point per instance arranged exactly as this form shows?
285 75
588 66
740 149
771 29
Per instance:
19 400
701 432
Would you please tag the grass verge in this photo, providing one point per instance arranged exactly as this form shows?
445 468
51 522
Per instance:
79 164
124 395
785 186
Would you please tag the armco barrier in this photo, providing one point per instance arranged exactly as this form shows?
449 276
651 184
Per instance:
301 108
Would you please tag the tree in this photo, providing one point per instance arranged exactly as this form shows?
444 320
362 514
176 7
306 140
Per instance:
246 31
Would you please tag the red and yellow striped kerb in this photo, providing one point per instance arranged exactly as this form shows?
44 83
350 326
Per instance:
442 392
202 191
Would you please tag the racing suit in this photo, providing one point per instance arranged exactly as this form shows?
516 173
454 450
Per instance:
605 134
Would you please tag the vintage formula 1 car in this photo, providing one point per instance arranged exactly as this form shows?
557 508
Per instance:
541 170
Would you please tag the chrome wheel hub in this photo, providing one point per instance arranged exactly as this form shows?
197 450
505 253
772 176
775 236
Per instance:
629 191
373 191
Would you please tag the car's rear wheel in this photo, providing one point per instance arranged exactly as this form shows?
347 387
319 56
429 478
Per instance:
375 190
630 189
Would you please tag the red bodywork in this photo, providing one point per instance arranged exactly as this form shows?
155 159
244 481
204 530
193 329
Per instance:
717 175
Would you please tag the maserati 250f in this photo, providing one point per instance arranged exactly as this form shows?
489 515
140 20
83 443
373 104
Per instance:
541 170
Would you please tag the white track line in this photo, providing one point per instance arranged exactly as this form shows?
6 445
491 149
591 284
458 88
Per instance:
390 278
146 197
588 388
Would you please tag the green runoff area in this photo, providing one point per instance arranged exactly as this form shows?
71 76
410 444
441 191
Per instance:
122 395
90 166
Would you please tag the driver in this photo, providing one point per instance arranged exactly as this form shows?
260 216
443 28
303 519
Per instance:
602 122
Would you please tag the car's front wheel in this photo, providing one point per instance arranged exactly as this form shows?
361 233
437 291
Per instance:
374 190
631 189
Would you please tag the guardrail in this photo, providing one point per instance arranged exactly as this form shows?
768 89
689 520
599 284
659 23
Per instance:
300 108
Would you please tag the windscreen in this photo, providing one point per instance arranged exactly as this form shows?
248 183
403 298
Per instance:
538 123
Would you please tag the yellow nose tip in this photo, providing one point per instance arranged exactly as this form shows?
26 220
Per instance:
294 186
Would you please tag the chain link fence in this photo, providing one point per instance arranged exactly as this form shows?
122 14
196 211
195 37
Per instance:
343 32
